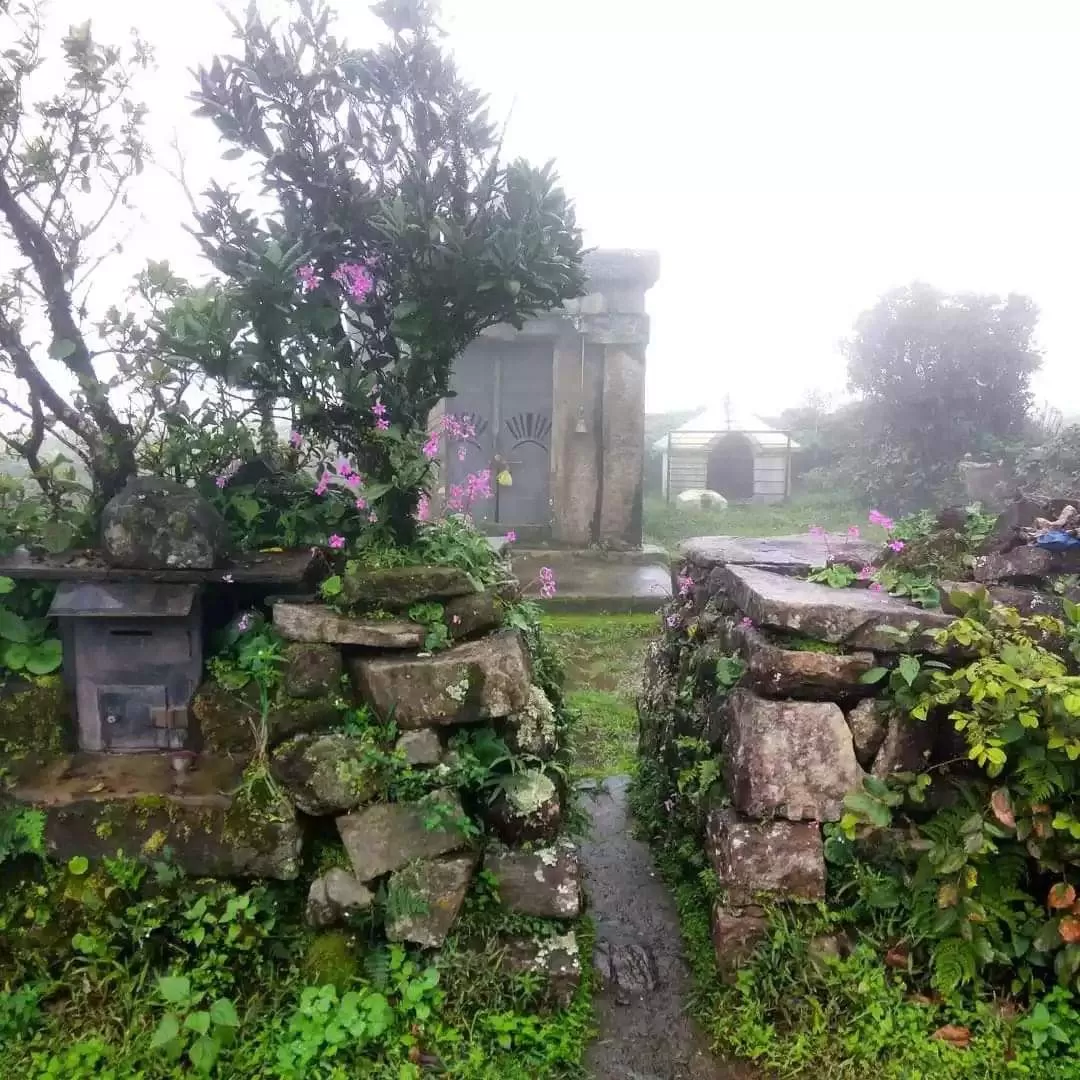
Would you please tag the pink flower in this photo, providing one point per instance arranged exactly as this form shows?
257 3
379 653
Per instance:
895 545
382 424
866 573
361 503
343 466
353 480
876 517
423 508
511 537
547 582
244 624
336 542
817 530
746 623
309 279
672 620
373 517
295 439
221 481
378 409
320 487
685 583
875 586
355 279
456 620
431 447
853 532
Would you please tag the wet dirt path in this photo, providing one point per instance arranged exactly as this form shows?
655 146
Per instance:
645 1032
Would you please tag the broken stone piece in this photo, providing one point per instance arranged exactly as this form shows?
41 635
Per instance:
429 894
528 809
791 759
420 747
325 774
906 746
335 897
546 883
532 730
784 858
556 958
736 933
868 723
468 615
388 836
399 587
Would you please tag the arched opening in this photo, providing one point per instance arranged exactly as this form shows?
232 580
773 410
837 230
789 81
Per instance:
730 468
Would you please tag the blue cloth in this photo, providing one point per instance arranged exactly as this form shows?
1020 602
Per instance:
1054 540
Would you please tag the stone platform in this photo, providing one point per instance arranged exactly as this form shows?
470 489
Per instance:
603 582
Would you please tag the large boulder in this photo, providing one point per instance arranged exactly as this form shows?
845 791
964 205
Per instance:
785 554
790 759
556 960
388 836
783 858
545 882
156 524
326 774
335 897
478 680
427 896
858 618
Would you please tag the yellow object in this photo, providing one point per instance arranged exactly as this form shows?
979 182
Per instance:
504 479
270 551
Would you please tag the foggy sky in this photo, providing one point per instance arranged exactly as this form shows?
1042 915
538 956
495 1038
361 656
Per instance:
790 160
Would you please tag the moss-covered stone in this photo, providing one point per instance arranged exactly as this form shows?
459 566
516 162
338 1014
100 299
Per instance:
326 774
332 957
399 587
36 725
225 717
312 670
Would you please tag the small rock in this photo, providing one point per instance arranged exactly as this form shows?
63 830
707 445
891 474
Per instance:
868 724
906 747
325 774
527 810
389 836
546 883
469 615
430 894
736 933
784 858
318 623
312 670
533 729
335 897
556 957
157 524
420 747
627 967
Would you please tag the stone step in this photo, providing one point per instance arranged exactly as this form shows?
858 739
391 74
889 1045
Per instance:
856 617
785 554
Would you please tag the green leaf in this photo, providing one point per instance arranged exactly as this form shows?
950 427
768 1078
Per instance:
13 627
203 1054
78 865
909 669
61 348
198 1021
166 1031
6 585
331 586
45 657
875 674
15 656
174 988
223 1013
247 507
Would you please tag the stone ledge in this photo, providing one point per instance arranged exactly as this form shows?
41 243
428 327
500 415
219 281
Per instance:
314 623
784 554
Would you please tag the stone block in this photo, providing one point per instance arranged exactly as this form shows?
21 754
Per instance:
556 959
430 893
790 759
858 618
318 623
785 554
473 614
312 670
479 680
775 671
784 858
532 730
528 809
335 897
399 587
225 717
736 933
420 747
1026 601
868 723
388 836
545 883
906 747
326 774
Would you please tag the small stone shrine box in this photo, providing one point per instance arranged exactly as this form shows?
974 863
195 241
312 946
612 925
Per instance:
137 652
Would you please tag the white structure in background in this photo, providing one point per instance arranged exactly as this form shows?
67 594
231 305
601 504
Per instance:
738 455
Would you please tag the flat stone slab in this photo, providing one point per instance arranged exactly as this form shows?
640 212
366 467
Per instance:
431 893
789 554
319 623
854 617
545 882
617 583
480 680
399 587
784 858
789 759
98 804
776 671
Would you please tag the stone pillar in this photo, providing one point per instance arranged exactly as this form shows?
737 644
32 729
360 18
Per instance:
623 445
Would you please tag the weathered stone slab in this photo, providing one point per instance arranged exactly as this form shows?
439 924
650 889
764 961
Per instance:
784 858
399 587
312 670
325 774
786 554
736 933
776 671
435 890
335 897
478 680
319 623
388 836
546 883
906 746
868 723
791 759
556 959
854 617
420 747
1026 601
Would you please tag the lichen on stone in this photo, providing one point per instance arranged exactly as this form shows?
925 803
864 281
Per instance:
534 726
526 792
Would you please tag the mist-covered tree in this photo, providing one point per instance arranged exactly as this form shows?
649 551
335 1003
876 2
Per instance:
940 376
77 369
396 235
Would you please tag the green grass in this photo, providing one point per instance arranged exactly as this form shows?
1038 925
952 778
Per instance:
667 524
604 657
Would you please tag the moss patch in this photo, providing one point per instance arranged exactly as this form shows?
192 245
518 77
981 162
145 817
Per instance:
36 724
